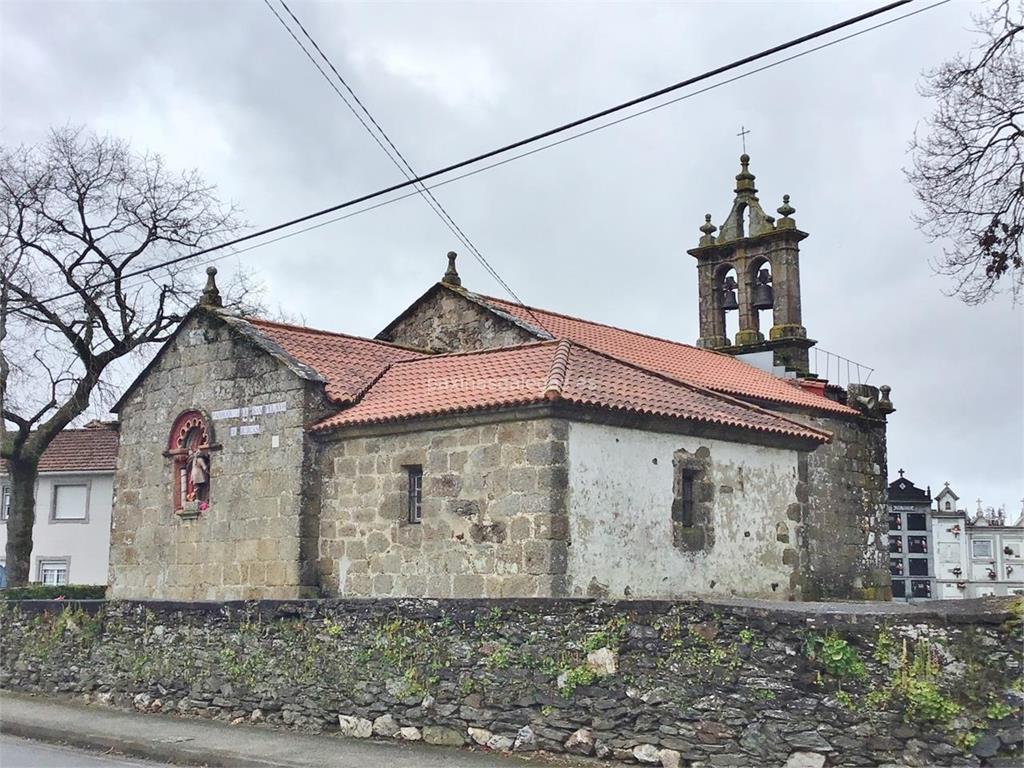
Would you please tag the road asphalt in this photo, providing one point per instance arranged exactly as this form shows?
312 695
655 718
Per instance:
22 753
185 741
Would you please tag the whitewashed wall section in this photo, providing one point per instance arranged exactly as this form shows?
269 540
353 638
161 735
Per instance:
620 517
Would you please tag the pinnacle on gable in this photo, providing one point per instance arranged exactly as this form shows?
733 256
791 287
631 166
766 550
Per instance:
747 218
210 296
451 275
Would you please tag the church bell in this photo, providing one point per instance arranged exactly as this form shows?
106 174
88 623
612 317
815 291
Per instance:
729 294
764 297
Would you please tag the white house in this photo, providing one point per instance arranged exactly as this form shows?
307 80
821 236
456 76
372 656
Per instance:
74 496
976 556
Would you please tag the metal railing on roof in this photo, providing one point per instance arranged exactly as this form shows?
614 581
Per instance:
837 369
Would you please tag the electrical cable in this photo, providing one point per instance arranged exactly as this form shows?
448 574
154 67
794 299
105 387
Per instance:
404 166
529 140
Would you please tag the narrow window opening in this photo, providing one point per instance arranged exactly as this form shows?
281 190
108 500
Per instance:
692 528
684 515
415 494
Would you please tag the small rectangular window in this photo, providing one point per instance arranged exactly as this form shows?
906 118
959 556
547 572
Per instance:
415 494
982 548
919 566
917 544
917 521
686 516
895 521
895 543
53 572
899 588
896 566
70 502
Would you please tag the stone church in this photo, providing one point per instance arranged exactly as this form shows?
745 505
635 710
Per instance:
481 448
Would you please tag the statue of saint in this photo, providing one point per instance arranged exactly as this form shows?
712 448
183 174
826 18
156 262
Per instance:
198 469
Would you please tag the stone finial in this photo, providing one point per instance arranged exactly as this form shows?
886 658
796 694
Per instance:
745 179
884 403
786 211
211 295
708 229
451 275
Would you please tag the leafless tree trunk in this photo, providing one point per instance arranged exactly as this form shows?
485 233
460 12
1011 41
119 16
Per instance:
77 213
968 172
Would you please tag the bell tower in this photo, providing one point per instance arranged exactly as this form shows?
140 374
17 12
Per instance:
753 265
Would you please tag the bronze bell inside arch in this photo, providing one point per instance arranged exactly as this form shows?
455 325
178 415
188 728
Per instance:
729 294
764 296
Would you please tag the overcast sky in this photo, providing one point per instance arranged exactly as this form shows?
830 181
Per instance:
598 227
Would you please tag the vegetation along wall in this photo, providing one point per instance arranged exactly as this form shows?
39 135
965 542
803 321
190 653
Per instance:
664 683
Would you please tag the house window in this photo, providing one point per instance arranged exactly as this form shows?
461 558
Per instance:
415 494
895 521
982 549
70 503
947 505
5 502
53 571
917 521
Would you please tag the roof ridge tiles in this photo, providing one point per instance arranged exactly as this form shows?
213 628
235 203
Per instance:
556 374
578 319
257 321
703 390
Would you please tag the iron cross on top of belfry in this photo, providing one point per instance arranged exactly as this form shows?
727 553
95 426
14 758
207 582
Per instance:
743 135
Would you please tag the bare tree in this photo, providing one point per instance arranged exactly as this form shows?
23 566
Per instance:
77 214
968 172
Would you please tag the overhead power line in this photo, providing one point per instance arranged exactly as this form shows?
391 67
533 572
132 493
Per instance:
392 151
531 140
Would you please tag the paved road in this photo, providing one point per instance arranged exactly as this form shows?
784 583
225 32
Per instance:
22 753
165 738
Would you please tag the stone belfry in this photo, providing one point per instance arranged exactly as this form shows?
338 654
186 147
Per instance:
752 265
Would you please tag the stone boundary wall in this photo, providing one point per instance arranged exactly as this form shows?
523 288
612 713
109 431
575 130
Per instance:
724 683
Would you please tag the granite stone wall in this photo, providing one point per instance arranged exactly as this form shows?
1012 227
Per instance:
494 520
445 321
842 502
250 542
659 683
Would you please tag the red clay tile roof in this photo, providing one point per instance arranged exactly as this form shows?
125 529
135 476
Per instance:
93 449
683 362
348 364
552 370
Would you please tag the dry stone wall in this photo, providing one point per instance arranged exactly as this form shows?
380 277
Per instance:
667 683
493 524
